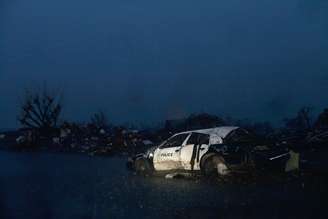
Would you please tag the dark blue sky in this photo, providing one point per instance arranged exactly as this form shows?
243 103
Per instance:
145 61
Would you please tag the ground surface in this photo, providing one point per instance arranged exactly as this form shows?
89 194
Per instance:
40 185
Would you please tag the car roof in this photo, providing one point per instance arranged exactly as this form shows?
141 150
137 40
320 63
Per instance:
221 131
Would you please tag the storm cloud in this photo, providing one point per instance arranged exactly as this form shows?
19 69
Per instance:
146 61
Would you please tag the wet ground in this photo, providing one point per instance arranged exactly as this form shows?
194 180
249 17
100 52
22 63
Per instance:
40 185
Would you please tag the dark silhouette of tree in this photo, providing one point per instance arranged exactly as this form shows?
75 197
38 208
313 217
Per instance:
195 121
99 120
40 110
302 123
322 121
262 129
203 120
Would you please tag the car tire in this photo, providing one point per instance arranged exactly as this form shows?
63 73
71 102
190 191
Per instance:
143 167
214 165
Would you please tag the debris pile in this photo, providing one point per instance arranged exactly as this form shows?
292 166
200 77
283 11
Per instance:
305 139
88 139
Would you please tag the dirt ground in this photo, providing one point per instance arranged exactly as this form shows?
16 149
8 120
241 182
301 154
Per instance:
40 185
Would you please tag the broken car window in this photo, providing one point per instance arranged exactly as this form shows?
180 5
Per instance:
198 138
175 141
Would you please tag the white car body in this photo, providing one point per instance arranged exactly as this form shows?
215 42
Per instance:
178 155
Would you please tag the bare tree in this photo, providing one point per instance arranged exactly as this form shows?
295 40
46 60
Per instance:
302 122
322 120
99 120
40 109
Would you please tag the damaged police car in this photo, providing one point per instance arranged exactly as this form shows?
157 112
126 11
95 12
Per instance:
209 151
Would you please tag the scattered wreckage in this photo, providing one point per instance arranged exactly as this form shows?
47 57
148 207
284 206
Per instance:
208 151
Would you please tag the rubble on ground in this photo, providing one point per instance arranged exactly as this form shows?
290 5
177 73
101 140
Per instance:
307 145
83 139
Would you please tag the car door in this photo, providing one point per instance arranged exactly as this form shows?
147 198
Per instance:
196 146
167 156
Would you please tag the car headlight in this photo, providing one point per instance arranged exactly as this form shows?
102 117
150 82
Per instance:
151 155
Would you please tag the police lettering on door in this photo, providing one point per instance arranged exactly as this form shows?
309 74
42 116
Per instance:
167 155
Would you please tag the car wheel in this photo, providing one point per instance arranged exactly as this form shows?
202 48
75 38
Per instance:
143 167
214 166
